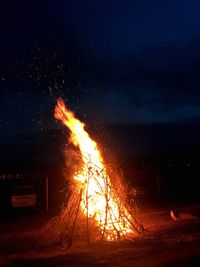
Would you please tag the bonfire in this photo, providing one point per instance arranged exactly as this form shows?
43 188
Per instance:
97 207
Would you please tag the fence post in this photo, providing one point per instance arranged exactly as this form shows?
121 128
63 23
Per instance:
47 193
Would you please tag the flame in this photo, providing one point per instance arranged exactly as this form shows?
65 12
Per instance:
98 202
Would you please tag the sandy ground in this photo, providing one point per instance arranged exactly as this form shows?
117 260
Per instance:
166 243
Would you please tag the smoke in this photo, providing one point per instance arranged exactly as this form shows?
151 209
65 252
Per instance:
73 161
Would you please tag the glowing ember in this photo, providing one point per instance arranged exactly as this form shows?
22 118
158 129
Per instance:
99 201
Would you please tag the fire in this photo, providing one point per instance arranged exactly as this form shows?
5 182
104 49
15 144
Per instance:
99 201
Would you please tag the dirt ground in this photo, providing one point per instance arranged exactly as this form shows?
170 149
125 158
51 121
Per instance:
167 243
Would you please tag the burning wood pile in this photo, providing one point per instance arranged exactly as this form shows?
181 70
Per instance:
97 207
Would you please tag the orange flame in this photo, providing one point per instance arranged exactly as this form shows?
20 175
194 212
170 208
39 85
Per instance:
98 201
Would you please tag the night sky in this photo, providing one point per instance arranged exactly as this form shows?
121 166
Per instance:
114 62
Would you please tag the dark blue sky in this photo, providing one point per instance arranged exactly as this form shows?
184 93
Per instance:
114 61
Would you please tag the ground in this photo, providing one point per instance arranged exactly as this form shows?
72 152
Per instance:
166 243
